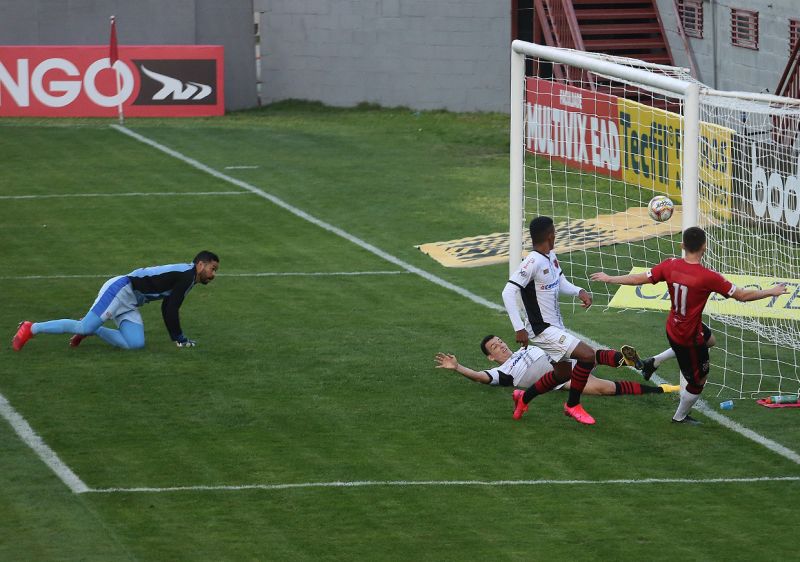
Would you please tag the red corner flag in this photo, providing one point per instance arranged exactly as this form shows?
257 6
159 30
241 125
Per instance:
112 58
112 42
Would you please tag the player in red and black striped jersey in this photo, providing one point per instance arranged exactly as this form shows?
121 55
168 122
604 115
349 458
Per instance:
690 284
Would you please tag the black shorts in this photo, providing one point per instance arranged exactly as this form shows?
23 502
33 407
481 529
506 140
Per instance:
693 359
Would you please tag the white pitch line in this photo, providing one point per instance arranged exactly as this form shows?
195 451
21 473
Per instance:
132 194
313 274
263 274
445 483
761 440
310 218
45 453
724 421
241 167
703 407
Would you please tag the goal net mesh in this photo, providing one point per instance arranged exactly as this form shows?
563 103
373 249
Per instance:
598 148
752 228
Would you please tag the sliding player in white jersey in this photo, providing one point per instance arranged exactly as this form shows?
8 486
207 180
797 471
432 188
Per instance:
530 366
539 281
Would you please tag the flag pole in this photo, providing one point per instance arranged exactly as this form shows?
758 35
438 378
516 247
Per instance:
113 58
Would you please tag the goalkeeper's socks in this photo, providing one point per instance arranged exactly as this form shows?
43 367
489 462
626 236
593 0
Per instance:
580 374
668 353
545 384
630 387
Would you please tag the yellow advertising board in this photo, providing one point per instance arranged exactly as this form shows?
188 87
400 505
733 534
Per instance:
656 297
651 155
633 225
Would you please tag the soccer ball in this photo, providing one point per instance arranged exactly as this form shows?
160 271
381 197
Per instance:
660 208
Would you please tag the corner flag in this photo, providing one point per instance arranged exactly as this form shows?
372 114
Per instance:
113 57
112 42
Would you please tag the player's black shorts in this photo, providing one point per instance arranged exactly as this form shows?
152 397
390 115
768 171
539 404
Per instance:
693 359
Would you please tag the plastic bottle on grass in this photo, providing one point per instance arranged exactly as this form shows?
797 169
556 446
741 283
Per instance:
784 399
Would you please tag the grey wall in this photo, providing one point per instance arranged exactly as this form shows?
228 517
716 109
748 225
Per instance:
724 66
424 54
143 22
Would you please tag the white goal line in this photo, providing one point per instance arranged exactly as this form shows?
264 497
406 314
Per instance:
444 483
261 274
131 194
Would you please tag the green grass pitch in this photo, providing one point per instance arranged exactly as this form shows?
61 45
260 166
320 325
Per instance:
326 378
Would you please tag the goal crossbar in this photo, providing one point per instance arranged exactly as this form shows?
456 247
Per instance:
689 91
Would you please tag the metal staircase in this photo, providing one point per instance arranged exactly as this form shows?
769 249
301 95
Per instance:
629 28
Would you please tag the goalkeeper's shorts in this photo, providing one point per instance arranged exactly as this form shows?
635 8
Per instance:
116 301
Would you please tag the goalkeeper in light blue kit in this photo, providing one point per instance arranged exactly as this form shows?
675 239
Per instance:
120 298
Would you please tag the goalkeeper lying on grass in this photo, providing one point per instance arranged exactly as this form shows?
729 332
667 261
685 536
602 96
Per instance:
529 367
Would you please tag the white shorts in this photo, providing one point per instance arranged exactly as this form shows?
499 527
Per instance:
557 343
116 301
539 368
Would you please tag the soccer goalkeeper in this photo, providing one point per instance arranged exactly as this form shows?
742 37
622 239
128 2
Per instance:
120 298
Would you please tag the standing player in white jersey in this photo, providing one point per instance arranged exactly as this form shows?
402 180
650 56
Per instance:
539 281
530 366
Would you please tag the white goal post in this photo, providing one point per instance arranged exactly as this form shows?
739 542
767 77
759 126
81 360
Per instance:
594 137
690 92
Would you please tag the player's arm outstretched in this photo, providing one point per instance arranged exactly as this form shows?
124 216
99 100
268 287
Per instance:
741 295
449 361
630 279
747 295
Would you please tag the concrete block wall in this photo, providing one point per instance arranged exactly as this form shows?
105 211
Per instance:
724 66
424 54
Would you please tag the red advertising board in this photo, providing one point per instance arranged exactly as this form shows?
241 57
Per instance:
574 126
78 81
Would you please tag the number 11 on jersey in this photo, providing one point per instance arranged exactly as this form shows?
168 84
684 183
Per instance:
679 293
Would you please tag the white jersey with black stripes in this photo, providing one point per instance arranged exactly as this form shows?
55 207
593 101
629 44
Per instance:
525 366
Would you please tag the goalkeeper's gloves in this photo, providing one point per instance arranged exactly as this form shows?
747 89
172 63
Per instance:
183 341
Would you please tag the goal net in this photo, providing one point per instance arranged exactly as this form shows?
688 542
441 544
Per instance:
594 138
753 236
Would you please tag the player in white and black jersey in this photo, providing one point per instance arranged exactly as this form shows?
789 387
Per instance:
539 281
530 366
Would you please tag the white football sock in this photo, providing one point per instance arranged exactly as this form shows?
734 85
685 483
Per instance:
687 401
668 353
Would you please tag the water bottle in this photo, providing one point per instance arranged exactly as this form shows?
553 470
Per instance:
727 405
784 399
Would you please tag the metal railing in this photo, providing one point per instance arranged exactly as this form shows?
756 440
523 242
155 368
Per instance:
789 85
684 38
560 29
